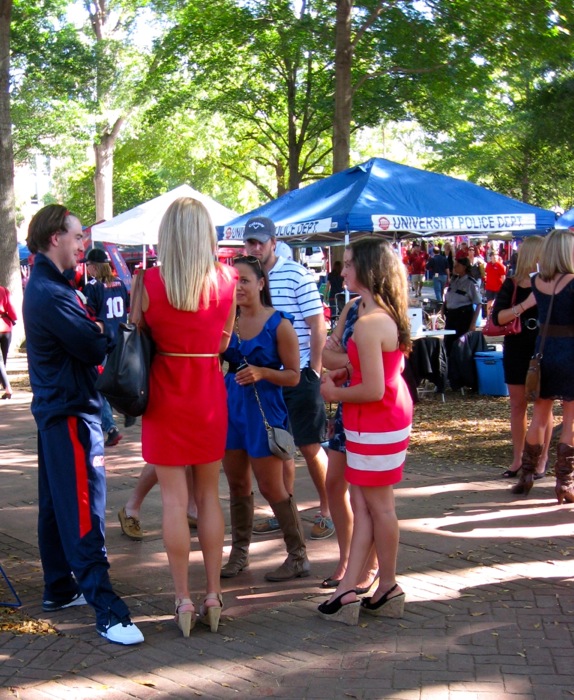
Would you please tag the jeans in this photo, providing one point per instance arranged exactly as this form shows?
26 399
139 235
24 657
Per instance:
439 283
107 416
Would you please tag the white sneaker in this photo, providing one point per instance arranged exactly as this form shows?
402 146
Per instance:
121 631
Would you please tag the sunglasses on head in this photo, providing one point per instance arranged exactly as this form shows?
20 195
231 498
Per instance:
249 259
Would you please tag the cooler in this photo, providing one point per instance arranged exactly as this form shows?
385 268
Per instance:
490 373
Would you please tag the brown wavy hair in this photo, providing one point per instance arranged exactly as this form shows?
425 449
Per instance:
45 223
379 269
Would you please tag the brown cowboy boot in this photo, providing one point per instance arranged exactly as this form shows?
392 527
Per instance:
241 510
530 457
296 565
564 470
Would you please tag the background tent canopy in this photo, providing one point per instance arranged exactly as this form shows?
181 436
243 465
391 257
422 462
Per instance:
380 196
139 226
566 220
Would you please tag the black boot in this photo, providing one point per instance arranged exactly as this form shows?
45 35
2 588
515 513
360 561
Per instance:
241 510
530 457
296 565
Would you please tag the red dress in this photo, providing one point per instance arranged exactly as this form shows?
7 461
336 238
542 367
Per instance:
378 432
186 418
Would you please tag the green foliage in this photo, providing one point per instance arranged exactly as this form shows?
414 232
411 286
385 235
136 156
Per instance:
494 128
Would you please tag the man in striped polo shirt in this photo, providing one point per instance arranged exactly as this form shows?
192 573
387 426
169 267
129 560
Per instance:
294 290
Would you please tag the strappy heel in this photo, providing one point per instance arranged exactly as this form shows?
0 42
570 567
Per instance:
210 615
184 615
347 613
385 606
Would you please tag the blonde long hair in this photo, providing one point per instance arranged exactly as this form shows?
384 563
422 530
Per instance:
557 254
528 256
379 269
186 249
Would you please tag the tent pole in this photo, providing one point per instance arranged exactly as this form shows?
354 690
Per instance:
347 243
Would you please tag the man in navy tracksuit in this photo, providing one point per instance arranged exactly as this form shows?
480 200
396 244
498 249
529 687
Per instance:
64 347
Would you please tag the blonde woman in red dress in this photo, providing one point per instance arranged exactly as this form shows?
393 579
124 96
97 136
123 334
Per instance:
189 307
377 416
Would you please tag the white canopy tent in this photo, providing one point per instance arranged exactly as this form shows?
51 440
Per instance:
140 225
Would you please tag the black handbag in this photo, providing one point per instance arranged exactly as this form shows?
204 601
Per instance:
125 379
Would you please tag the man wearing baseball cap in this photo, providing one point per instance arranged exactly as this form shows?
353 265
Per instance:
107 296
294 290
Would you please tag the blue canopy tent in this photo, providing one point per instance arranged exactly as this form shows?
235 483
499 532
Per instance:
566 220
395 201
23 252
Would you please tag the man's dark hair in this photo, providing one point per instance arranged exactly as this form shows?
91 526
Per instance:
44 224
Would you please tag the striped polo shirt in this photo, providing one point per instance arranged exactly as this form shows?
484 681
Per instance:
293 289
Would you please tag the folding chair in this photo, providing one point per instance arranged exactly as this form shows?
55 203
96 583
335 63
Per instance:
6 604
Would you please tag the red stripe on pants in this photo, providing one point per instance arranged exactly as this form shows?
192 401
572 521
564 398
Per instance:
82 492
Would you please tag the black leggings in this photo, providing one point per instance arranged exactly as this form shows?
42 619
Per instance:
5 339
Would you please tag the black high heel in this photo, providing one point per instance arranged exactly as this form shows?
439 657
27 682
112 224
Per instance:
385 606
510 474
347 613
330 583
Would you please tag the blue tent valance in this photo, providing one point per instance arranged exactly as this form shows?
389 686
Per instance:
393 200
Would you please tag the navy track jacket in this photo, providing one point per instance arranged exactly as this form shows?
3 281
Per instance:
63 345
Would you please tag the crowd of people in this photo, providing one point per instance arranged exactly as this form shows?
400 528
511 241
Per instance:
240 348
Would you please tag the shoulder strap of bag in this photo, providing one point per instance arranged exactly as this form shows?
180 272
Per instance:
545 329
514 292
265 422
136 296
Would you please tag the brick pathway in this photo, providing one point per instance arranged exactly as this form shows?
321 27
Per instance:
489 579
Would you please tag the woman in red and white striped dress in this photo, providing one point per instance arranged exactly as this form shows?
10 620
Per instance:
377 416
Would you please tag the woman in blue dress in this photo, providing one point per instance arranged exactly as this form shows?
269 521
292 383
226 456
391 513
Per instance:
263 357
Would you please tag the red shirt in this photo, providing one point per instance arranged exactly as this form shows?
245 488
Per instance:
418 263
495 274
7 314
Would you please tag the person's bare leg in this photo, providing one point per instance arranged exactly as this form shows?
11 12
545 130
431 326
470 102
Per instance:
316 459
210 524
380 503
289 475
361 542
173 487
340 508
191 504
145 483
518 406
342 516
543 461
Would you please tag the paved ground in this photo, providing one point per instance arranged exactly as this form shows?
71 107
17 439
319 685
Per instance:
489 579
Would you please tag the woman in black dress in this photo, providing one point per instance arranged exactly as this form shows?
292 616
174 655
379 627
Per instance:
519 348
555 280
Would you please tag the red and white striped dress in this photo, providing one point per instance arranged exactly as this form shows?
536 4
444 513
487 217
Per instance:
378 432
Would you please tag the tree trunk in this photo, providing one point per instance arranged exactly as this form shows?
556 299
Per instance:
103 180
104 175
9 268
343 87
